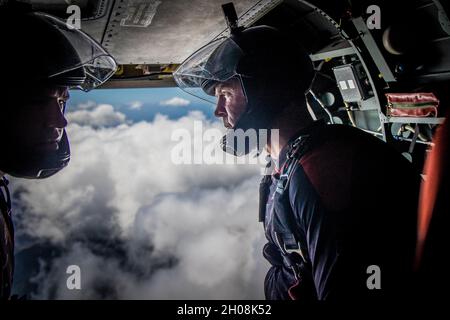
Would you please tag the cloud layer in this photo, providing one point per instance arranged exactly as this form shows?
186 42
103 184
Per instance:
175 102
135 105
102 115
139 226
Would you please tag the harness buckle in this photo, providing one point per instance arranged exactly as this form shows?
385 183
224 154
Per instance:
297 250
291 247
282 182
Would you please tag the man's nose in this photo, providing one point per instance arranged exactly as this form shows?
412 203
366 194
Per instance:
56 118
220 108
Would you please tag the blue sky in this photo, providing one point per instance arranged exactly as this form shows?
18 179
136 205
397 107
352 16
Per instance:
149 98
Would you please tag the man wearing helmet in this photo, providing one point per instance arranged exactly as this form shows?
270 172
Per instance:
43 60
334 208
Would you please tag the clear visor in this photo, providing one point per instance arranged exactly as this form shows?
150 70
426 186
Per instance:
98 71
97 64
212 64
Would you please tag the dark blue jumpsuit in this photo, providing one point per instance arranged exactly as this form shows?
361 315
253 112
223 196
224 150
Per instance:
354 201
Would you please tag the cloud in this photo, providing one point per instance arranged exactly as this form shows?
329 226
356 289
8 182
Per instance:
175 102
86 105
139 226
102 115
136 105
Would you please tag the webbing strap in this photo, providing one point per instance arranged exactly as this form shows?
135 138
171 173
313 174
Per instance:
5 197
284 220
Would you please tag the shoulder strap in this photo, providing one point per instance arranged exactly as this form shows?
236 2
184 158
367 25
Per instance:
5 197
286 231
295 152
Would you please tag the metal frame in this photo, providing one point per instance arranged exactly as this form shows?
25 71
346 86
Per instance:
375 52
253 14
423 120
334 50
365 57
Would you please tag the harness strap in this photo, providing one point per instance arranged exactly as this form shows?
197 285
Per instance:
7 266
5 201
264 190
295 152
286 236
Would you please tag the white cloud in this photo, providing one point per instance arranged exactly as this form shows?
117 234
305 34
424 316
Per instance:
142 227
102 115
175 102
86 105
136 105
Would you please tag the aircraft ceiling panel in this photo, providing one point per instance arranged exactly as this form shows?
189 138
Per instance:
94 13
154 31
164 31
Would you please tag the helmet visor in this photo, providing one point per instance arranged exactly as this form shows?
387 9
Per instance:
214 63
78 52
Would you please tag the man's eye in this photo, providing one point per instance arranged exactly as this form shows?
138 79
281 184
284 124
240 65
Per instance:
62 104
227 94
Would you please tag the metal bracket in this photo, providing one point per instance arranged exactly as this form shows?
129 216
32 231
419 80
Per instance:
231 17
375 52
442 17
414 139
424 120
253 14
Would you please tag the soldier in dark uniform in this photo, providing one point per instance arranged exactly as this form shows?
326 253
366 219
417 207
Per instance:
41 59
340 204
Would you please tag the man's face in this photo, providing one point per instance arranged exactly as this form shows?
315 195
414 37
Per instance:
34 120
231 103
